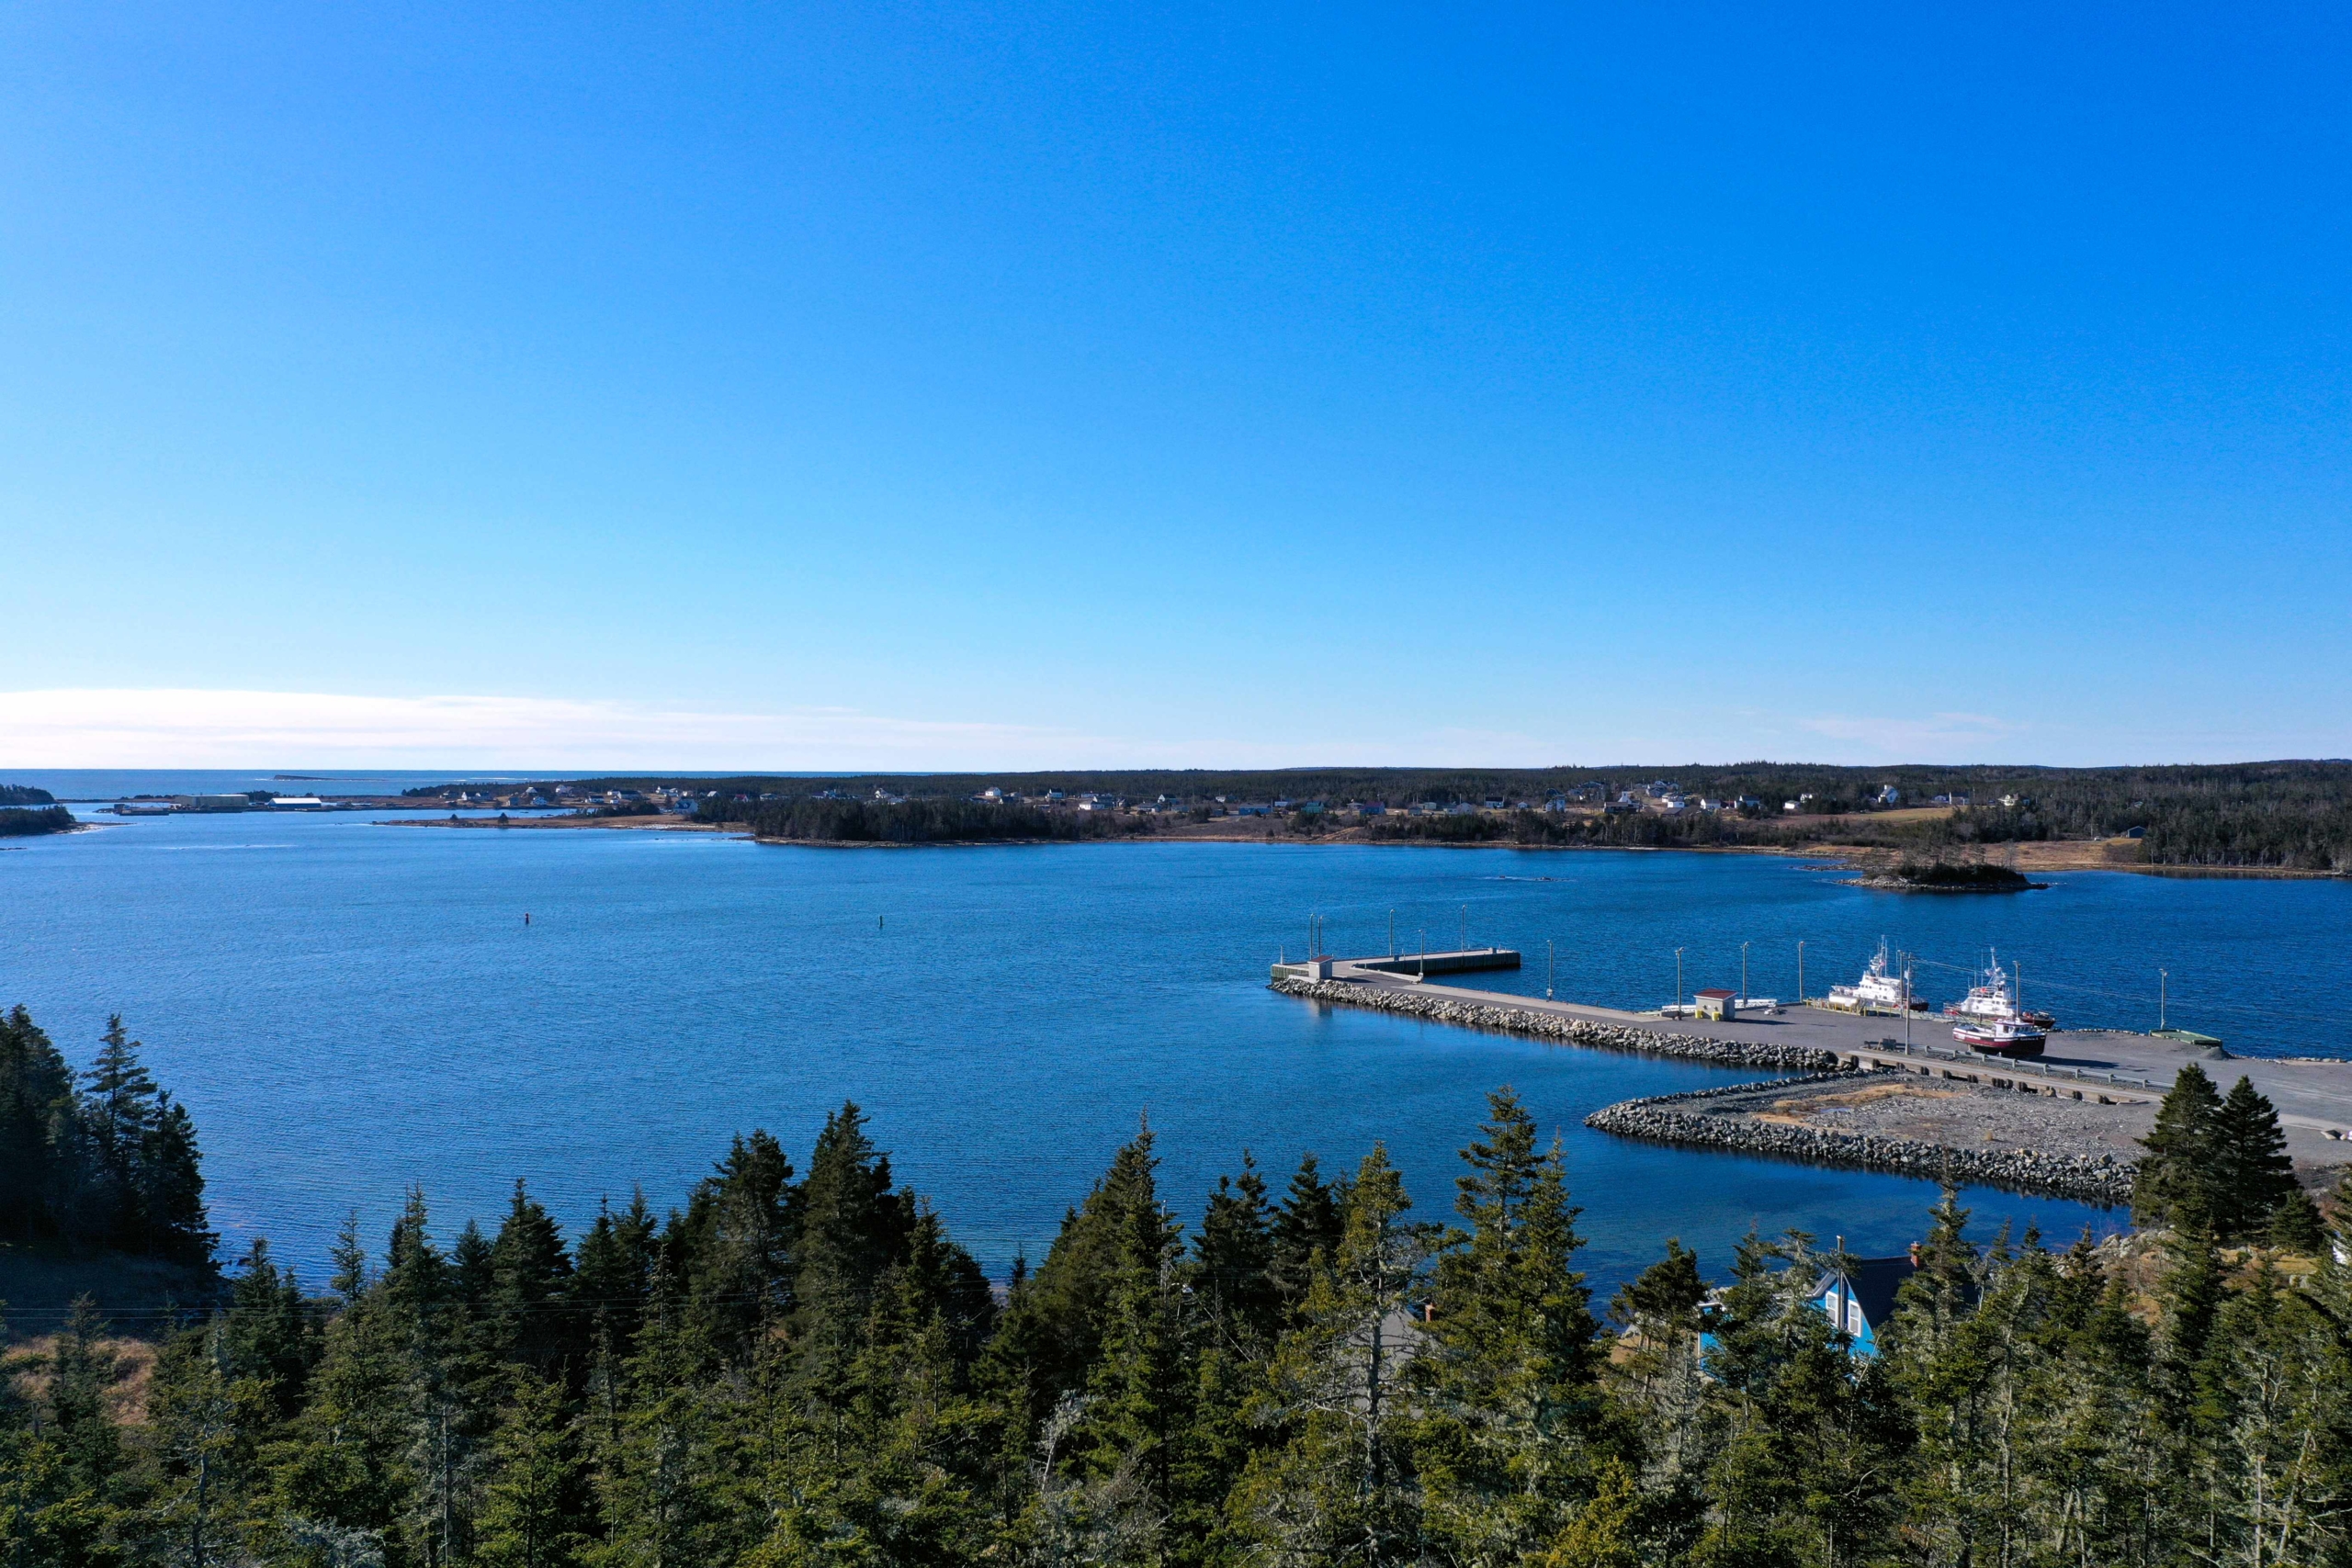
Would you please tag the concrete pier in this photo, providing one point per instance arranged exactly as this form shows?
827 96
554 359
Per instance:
1462 961
2111 1067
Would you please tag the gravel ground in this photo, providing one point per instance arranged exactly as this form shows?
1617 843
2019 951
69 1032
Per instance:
1954 1115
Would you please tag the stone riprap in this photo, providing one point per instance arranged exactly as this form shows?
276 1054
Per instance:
1414 1002
1687 1120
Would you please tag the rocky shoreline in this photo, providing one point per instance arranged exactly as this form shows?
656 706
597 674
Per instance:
1562 1027
1660 1119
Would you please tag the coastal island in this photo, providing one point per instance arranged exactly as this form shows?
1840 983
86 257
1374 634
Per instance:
26 812
1944 876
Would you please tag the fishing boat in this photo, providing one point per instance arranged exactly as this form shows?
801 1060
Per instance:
1991 1000
1880 988
2001 1037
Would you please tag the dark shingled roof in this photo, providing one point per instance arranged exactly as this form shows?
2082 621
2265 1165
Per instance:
1876 1281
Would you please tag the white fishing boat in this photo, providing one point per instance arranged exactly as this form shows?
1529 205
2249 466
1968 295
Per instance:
2001 1036
1880 988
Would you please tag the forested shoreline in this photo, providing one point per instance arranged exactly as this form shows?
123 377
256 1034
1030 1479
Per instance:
800 1369
2291 815
26 822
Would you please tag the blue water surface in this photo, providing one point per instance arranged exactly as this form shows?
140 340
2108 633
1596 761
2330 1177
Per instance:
350 1008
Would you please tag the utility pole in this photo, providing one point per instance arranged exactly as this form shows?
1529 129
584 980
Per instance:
1677 980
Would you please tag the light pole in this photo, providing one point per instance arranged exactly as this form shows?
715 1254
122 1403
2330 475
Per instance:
1421 959
1799 973
1466 927
1392 933
1549 968
2160 999
1906 1004
1678 982
1743 974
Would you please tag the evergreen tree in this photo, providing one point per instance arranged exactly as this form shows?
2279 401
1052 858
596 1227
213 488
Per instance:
2295 1223
2251 1171
851 1227
81 1373
2175 1182
530 1276
269 1334
537 1506
170 1189
1309 1222
1340 1488
613 1271
40 1131
205 1424
732 1248
1233 1260
1508 1372
120 1116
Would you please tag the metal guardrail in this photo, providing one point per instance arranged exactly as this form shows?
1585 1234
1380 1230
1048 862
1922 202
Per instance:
2077 1075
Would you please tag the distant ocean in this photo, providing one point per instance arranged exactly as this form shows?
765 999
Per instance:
122 784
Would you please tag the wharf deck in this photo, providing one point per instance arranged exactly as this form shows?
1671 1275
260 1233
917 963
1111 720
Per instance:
2103 1067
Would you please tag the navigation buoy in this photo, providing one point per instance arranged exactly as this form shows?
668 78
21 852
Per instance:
526 917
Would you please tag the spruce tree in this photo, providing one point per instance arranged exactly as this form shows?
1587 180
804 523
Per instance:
2251 1171
1134 1385
530 1273
536 1503
1233 1258
40 1132
81 1373
351 1277
851 1227
119 1115
2174 1185
268 1333
1309 1222
2295 1223
1508 1370
205 1428
1339 1488
170 1187
732 1248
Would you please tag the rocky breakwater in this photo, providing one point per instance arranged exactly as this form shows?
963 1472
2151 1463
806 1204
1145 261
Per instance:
1563 1027
1722 1119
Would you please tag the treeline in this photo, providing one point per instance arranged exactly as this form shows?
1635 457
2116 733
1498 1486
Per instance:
931 820
2292 815
805 1369
106 1160
24 795
20 822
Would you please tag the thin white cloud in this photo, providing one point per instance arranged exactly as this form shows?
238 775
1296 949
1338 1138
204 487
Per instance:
115 728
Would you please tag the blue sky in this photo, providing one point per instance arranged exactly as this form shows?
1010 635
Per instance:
889 386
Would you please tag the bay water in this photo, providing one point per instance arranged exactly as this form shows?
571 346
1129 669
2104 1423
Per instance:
351 1009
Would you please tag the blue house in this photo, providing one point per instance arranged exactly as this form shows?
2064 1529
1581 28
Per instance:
1859 1298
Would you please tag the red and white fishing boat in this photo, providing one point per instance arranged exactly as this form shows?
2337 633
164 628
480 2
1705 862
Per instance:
2002 1036
1991 1000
